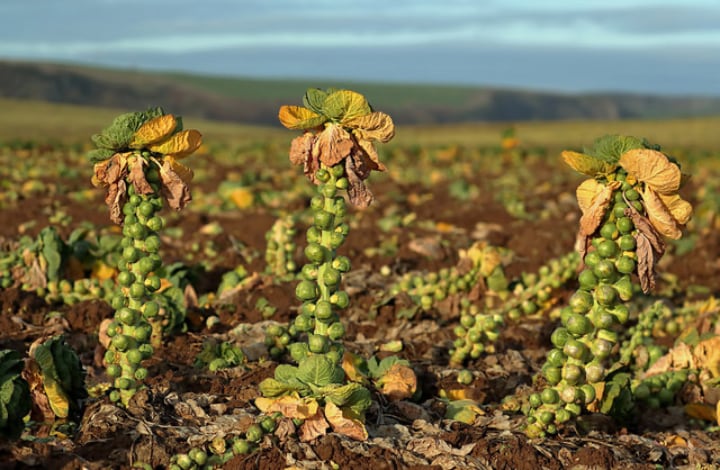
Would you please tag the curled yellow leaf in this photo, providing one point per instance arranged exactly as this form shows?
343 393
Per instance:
57 398
185 173
652 168
660 216
299 118
680 209
179 145
374 126
291 406
586 193
587 164
343 422
154 131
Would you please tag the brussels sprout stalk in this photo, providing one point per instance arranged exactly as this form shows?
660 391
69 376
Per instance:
137 161
620 235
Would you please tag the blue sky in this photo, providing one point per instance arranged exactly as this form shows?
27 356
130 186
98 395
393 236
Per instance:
652 46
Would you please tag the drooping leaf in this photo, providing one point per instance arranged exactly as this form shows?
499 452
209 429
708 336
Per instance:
646 262
291 406
593 216
680 209
179 145
57 398
334 144
351 395
465 411
374 126
660 216
301 148
173 189
644 226
652 168
355 367
136 176
344 423
359 195
99 155
586 164
186 174
299 118
153 131
345 105
313 427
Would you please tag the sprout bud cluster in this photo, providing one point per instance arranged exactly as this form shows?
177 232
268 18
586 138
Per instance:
319 286
221 450
585 345
137 310
281 248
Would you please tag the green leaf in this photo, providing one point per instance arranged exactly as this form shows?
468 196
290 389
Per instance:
350 395
378 370
52 248
6 389
273 388
344 105
319 371
314 99
286 373
99 155
609 148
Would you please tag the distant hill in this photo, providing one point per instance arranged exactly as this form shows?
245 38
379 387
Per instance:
256 101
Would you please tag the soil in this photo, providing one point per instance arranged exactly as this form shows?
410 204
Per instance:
183 405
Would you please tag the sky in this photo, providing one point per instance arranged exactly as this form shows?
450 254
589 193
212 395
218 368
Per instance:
669 47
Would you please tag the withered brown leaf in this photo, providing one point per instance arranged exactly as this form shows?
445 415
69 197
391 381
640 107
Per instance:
660 216
313 427
136 177
646 262
346 425
593 216
111 173
360 196
334 144
174 189
645 227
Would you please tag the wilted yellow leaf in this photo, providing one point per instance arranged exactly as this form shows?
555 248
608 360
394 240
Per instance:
185 173
587 164
179 145
291 406
374 126
102 271
58 399
586 192
652 168
660 216
680 209
313 427
398 383
351 365
345 105
154 131
703 411
593 216
343 422
242 198
299 118
707 355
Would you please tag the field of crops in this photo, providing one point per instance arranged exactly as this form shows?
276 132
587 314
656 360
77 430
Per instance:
450 290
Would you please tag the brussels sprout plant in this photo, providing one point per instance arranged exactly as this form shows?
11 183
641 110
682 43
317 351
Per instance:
137 160
628 204
337 153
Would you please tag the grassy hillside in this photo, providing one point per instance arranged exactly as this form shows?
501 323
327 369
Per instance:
41 121
256 101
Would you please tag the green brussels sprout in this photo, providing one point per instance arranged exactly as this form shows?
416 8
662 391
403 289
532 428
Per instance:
550 396
604 270
317 203
155 224
331 277
546 417
341 263
627 242
642 392
183 461
340 299
254 433
559 337
632 195
304 322
609 231
268 424
141 373
318 343
556 358
336 331
120 342
241 447
134 356
591 259
125 278
578 325
594 372
572 374
607 249
127 316
625 224
606 295
151 309
553 375
306 291
198 456
576 349
324 220
315 252
587 279
581 302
